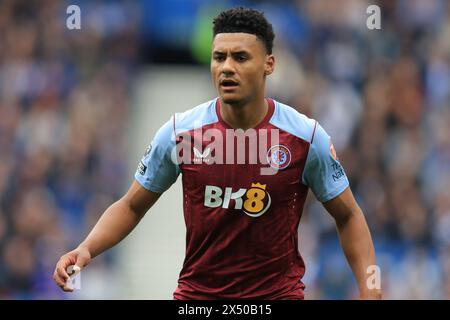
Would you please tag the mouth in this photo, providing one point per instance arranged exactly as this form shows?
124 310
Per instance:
228 84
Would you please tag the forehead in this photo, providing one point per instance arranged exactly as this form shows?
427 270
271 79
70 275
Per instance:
237 41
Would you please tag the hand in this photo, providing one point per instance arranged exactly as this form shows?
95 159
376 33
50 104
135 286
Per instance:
79 257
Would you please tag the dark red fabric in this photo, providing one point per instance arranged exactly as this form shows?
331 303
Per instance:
230 255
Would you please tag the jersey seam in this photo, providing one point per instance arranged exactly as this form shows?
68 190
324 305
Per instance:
204 124
278 109
314 132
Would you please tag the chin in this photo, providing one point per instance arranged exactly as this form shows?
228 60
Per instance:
230 99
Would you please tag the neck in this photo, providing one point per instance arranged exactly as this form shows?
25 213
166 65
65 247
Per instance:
244 116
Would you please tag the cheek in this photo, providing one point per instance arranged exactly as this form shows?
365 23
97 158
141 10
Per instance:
256 76
213 74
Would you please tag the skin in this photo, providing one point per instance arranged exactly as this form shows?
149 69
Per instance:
242 58
355 239
113 226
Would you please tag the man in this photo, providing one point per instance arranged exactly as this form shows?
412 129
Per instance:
242 210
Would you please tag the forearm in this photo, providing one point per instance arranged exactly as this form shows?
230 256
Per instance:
114 225
358 248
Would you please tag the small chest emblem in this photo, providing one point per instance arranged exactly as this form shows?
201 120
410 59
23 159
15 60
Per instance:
202 157
279 157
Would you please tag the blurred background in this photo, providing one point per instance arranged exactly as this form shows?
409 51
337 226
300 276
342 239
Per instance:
79 107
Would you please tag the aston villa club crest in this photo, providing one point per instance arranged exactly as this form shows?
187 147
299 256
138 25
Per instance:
279 157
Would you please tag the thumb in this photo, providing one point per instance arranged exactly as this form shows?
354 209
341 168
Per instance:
75 270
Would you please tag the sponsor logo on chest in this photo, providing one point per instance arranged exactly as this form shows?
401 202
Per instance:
254 201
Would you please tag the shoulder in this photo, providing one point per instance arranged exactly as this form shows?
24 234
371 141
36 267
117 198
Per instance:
197 117
290 120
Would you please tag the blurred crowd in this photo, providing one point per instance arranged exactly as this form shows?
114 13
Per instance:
383 96
63 109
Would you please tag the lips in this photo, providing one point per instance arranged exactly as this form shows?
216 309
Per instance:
228 83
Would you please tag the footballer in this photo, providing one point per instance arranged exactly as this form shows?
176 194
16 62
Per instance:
242 197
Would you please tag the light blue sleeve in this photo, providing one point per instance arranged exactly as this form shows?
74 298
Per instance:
156 170
323 173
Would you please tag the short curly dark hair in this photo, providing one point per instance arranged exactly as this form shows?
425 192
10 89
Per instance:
245 20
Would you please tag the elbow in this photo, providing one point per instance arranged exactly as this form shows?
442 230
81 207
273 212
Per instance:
128 206
347 217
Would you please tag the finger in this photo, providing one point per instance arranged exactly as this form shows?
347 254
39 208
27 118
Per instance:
75 270
59 278
66 288
61 271
59 281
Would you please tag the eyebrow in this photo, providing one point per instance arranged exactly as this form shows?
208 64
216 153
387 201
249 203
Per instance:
233 53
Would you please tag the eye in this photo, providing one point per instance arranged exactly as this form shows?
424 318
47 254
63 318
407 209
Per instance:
219 58
241 58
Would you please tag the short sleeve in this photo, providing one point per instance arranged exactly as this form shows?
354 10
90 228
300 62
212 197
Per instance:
323 172
156 170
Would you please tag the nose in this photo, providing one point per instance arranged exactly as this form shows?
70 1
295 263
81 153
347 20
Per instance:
228 66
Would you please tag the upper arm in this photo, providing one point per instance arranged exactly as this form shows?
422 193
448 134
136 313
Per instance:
157 171
342 207
323 172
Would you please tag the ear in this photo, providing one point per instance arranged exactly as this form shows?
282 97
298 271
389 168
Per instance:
269 65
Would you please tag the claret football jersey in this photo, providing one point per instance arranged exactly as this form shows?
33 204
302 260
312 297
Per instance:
243 196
